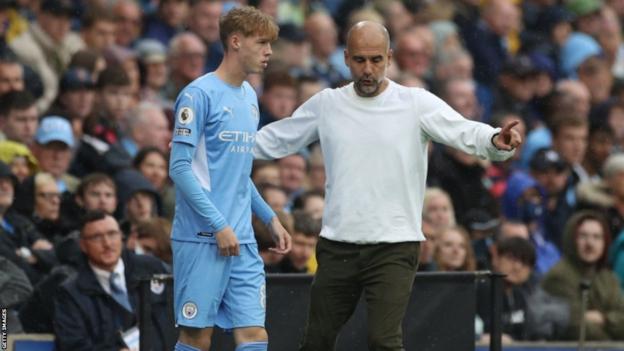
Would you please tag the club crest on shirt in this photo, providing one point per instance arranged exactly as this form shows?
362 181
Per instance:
189 310
185 115
254 112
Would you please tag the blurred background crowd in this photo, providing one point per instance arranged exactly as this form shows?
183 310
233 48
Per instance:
86 95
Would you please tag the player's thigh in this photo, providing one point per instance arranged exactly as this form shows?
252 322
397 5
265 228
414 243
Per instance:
200 276
244 301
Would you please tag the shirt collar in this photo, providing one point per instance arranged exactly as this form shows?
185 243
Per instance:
103 276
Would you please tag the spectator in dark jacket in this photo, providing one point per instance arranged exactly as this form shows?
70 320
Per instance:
20 242
138 201
14 289
102 301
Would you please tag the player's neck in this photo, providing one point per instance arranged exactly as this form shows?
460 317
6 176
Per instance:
231 72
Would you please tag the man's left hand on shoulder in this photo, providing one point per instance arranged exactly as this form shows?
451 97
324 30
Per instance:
280 236
508 139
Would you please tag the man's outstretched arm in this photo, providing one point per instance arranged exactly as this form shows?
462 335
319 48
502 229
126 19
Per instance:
289 135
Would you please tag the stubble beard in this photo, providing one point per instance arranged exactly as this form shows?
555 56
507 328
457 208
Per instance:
367 90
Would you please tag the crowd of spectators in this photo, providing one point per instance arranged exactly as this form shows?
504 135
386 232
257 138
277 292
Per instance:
86 96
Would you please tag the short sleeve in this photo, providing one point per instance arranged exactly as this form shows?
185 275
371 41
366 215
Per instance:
191 110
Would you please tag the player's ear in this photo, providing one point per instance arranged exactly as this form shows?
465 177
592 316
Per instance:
235 41
390 54
346 57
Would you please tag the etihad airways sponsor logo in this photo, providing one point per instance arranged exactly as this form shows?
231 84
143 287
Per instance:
242 142
233 136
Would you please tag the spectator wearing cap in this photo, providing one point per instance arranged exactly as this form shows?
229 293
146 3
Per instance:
53 149
607 195
204 21
153 70
76 98
588 17
48 46
20 242
18 117
167 21
129 22
554 177
517 89
576 49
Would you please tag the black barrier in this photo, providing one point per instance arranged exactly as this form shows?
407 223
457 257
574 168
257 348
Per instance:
439 317
496 294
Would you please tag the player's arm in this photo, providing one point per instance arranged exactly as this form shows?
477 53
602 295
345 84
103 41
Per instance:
445 125
289 135
187 184
191 111
261 209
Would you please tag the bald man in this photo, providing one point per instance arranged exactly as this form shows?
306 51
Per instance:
374 135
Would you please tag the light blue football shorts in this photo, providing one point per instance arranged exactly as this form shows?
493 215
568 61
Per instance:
213 290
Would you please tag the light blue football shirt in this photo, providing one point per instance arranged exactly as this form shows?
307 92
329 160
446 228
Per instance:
219 121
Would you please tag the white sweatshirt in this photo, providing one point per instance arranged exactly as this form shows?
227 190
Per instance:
375 152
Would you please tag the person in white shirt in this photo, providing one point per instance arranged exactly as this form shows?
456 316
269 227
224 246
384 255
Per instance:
374 135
